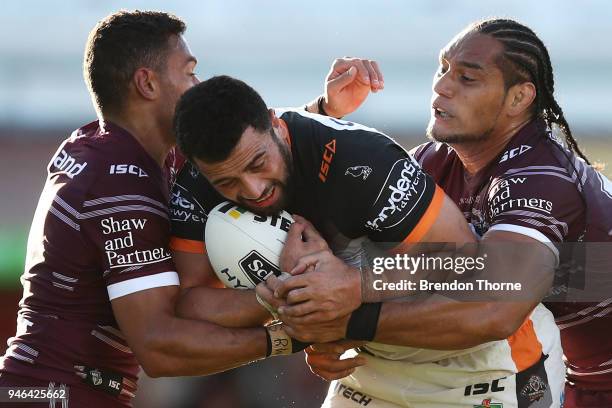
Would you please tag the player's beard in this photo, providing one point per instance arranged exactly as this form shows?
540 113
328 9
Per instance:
285 187
457 138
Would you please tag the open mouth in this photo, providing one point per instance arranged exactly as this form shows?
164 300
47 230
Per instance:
266 200
441 113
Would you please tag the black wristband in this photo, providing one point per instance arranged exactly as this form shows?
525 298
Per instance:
320 107
363 322
268 344
297 345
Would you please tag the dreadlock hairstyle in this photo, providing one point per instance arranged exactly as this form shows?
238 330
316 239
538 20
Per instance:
525 58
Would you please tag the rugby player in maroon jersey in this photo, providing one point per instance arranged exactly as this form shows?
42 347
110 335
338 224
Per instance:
99 284
492 113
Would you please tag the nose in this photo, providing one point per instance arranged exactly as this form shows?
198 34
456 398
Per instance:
252 187
442 85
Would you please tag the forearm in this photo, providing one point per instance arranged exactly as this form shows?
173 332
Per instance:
438 323
182 347
224 307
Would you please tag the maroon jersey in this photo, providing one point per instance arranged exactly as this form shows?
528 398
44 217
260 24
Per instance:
535 188
100 232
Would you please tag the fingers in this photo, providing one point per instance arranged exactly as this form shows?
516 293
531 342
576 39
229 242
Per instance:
332 362
298 296
271 283
267 296
309 232
299 310
338 347
296 230
342 65
330 367
379 75
334 347
339 81
331 376
293 243
281 288
308 260
368 72
375 81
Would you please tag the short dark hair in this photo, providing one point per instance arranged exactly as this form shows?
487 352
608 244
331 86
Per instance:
120 44
525 59
212 115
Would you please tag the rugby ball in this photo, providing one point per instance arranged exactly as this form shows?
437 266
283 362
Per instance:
244 248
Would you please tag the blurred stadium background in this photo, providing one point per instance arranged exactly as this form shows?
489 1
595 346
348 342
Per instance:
284 49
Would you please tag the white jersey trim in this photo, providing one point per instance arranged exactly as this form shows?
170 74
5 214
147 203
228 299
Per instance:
130 286
530 232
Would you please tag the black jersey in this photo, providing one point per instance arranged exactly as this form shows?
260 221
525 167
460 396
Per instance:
351 181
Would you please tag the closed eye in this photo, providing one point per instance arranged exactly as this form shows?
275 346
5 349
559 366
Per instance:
258 161
226 183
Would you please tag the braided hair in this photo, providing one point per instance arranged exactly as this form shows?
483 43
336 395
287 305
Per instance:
525 58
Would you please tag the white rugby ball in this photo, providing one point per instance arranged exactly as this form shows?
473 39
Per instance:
243 247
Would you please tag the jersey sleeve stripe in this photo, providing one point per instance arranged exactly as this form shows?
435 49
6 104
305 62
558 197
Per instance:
117 290
63 218
530 232
127 197
427 219
111 210
187 245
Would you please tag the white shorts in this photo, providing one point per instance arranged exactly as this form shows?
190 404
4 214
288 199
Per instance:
484 378
531 388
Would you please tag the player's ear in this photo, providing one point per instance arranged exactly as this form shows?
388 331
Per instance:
145 82
273 118
279 129
520 97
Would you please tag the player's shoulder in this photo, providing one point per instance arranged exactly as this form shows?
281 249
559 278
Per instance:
306 126
192 193
104 161
435 158
316 137
540 159
536 176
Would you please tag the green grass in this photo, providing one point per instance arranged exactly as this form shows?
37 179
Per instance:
12 254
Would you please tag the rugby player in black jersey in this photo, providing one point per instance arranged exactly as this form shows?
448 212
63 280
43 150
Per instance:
357 187
99 286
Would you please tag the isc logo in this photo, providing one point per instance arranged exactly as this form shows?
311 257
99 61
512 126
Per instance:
127 169
328 155
509 154
256 267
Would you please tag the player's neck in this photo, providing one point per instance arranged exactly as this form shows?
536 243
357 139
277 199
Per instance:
148 133
478 155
